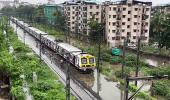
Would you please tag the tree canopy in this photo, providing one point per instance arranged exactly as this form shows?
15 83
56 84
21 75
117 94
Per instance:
160 31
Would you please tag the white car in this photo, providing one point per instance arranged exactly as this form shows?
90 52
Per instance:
130 45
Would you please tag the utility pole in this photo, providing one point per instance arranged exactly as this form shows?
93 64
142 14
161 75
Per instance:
123 58
40 47
24 36
126 91
98 61
98 66
137 61
68 79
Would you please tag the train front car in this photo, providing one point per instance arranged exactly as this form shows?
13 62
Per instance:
86 62
81 60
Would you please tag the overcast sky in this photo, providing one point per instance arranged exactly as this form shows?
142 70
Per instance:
155 2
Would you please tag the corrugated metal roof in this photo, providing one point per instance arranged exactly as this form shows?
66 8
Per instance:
70 48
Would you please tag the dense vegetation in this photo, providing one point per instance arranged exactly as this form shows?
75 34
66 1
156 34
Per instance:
23 62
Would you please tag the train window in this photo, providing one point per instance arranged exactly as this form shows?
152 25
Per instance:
91 60
83 60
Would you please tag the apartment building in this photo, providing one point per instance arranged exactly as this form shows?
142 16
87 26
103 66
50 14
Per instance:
71 15
126 19
79 14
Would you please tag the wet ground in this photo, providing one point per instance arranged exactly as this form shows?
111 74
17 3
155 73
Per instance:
108 90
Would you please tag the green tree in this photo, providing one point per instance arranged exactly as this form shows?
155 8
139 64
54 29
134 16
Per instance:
160 31
96 29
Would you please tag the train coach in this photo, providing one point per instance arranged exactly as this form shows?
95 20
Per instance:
81 60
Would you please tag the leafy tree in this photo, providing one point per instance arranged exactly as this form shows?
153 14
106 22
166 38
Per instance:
96 29
160 30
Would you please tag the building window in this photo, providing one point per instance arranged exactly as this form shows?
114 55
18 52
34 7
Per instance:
135 23
113 31
134 37
68 13
113 23
135 16
72 27
109 30
123 30
128 19
97 13
117 38
110 8
91 7
122 37
147 9
134 30
129 5
84 8
113 38
68 18
109 23
114 8
128 34
136 9
109 16
146 23
68 8
73 7
124 16
129 12
123 23
72 17
97 7
72 22
128 26
124 9
73 12
114 16
146 31
91 13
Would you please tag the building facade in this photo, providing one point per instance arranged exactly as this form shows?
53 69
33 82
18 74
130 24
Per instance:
78 15
125 19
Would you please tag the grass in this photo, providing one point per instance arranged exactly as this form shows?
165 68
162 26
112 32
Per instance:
47 86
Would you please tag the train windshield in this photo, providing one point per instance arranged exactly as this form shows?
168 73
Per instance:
91 60
83 60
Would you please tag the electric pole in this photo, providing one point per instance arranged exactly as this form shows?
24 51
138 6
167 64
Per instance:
137 60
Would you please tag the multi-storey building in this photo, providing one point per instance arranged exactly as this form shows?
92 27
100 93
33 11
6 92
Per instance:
71 15
126 19
79 13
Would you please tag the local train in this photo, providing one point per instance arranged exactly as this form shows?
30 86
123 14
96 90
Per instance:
81 60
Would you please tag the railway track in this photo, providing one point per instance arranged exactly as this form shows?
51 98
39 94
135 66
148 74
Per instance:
79 90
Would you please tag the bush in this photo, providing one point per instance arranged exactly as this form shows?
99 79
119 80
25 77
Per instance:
162 88
106 57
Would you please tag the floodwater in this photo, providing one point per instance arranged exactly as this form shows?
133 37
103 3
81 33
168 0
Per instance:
155 61
152 61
